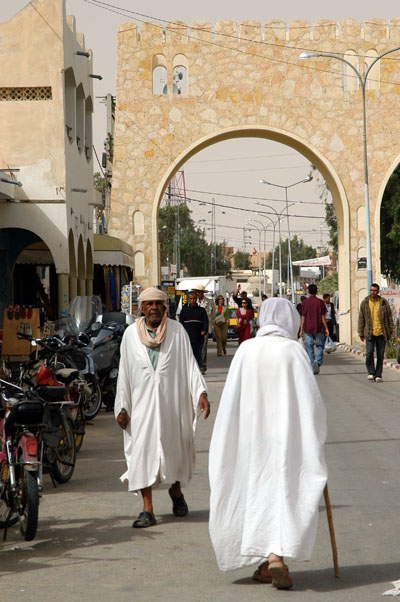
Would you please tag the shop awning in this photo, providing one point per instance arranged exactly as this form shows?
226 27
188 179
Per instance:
315 262
109 250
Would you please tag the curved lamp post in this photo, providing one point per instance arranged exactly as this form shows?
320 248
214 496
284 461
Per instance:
363 84
307 179
259 250
278 221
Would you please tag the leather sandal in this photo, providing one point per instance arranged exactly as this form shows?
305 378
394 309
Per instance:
145 519
280 575
262 574
179 505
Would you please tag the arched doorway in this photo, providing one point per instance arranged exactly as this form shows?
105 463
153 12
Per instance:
321 163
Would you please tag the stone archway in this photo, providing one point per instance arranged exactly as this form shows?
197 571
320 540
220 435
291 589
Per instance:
321 163
247 80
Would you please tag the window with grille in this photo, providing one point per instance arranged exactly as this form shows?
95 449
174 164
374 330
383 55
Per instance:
39 93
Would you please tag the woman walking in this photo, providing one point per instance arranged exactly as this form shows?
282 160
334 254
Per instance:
220 324
244 316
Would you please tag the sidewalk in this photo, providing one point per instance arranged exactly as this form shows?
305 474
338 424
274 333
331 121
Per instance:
387 363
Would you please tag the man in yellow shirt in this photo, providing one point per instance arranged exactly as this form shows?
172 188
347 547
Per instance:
375 325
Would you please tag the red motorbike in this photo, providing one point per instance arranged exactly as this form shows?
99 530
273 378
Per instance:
21 427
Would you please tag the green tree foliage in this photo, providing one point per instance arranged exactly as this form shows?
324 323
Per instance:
390 228
329 284
195 251
299 251
241 260
99 182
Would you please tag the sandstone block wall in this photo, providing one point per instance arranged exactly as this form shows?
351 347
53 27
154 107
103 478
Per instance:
246 80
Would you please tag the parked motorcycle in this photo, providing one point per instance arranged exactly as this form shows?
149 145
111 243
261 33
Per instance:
100 336
21 427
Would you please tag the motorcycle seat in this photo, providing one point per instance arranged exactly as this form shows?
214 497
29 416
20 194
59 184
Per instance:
67 375
50 393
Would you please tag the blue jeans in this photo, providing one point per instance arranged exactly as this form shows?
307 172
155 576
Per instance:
318 340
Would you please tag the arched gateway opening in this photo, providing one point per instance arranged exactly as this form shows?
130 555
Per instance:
315 158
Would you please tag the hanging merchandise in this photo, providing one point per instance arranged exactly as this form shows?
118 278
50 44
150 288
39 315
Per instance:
129 298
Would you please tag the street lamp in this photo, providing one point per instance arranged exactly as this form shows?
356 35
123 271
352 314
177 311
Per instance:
363 83
303 181
278 221
259 250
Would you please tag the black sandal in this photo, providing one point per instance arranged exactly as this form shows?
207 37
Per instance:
179 505
145 519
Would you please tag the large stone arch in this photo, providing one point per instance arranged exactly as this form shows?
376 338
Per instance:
237 88
313 155
377 215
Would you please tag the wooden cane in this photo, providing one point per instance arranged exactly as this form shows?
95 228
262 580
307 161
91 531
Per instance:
331 531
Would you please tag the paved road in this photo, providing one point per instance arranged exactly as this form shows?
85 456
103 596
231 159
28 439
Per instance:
86 547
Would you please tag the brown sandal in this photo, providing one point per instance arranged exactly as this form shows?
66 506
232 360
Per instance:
262 574
280 575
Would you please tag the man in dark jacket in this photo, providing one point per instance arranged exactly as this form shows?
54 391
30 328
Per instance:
330 315
195 321
375 325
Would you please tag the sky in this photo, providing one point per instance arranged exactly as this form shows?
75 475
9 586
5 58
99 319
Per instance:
232 167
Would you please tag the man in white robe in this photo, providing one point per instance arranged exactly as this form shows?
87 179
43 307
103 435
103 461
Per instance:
159 389
266 464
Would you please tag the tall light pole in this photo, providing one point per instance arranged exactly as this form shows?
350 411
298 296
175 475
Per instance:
265 228
303 181
259 249
363 83
279 217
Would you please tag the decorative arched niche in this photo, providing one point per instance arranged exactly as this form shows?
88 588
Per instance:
138 223
374 76
159 71
139 263
361 218
180 74
350 79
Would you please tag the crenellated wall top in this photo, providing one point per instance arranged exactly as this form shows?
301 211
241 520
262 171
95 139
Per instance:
177 32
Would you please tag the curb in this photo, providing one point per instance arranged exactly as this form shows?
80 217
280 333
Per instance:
357 351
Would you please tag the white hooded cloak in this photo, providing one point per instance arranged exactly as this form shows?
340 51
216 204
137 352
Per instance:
162 404
266 464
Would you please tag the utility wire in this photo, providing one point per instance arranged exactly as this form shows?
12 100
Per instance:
252 198
111 8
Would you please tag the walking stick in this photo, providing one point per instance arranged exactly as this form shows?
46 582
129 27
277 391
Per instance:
331 531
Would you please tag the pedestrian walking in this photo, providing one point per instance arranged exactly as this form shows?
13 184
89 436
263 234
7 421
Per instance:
266 461
330 315
244 317
375 326
314 327
160 388
209 306
239 295
195 321
220 325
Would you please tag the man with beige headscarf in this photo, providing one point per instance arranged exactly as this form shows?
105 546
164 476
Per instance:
159 390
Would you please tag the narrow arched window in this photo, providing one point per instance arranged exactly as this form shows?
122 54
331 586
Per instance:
180 74
374 76
350 79
159 69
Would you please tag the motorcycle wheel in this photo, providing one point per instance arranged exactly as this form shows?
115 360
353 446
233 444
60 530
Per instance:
29 504
93 404
79 429
64 464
